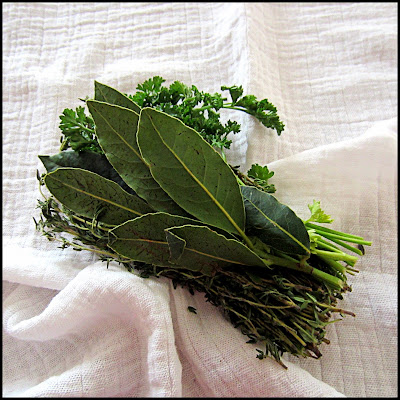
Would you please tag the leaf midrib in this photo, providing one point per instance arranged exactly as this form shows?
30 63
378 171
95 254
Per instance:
186 248
279 227
116 132
230 219
94 196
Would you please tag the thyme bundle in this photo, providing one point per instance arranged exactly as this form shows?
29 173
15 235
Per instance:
147 184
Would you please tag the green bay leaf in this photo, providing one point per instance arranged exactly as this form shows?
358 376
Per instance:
176 245
190 170
116 129
89 194
143 238
92 162
274 223
110 95
206 251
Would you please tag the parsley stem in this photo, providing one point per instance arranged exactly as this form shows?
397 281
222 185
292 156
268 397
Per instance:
334 264
80 126
336 256
345 245
323 229
333 236
327 246
306 268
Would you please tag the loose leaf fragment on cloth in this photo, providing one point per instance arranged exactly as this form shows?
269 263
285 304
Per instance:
116 129
274 223
110 95
190 170
90 195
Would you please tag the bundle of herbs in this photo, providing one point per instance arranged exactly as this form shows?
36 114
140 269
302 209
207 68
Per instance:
143 180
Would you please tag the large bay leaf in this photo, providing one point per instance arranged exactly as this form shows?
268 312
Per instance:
206 250
89 194
190 170
116 129
92 162
110 95
274 223
143 238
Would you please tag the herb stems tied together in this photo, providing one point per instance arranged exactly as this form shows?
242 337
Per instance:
143 180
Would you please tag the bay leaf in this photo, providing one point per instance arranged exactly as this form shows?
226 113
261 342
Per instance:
190 170
207 251
176 245
274 223
116 129
107 94
143 238
88 194
89 161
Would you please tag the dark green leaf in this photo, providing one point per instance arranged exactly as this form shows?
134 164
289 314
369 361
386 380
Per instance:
234 91
190 170
110 95
143 238
89 161
261 175
207 250
77 128
116 131
90 195
176 245
274 223
259 172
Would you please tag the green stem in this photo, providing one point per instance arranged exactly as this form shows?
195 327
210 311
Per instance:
323 229
336 256
347 246
332 236
83 127
306 268
209 107
97 251
336 309
327 246
313 339
334 264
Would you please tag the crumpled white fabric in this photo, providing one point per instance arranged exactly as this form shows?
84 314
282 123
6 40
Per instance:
72 327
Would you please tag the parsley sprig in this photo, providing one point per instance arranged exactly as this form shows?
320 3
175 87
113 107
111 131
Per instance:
78 131
200 110
197 109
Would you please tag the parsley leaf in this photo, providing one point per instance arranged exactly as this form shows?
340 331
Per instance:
317 215
78 131
261 175
263 110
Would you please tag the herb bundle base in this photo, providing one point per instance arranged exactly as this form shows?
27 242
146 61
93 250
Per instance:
147 185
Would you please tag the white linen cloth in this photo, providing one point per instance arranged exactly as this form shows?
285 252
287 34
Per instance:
72 327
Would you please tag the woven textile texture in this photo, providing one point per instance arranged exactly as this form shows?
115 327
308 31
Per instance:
72 327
